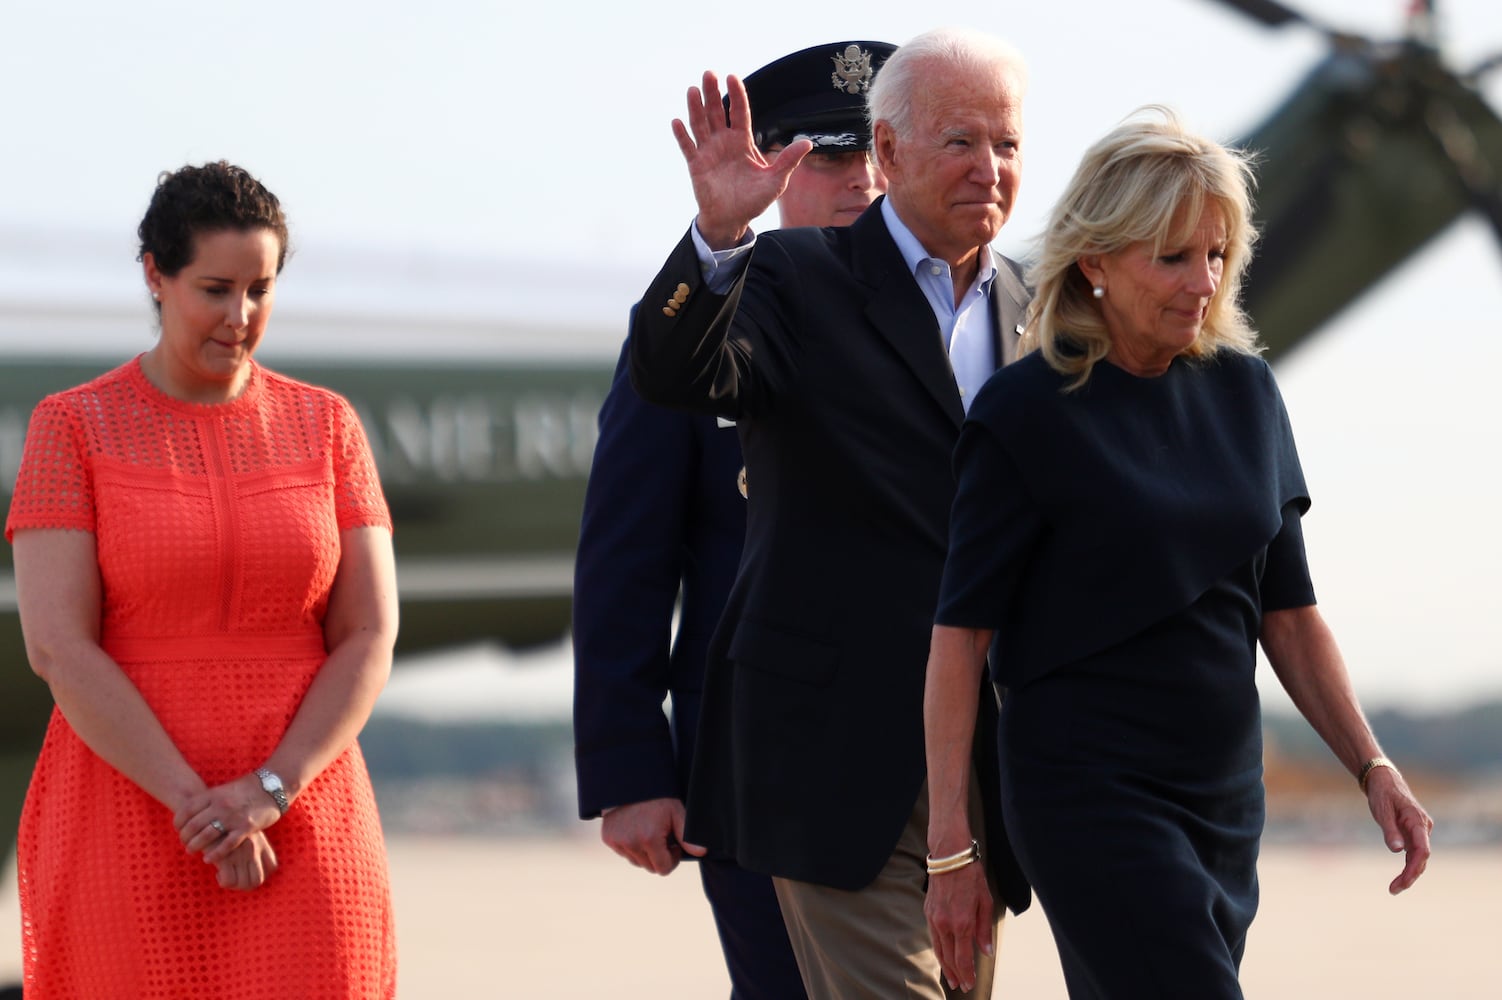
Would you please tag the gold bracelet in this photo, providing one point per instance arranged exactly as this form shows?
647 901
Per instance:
954 862
956 866
1370 766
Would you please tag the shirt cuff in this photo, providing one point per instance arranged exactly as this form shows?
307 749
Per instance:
721 268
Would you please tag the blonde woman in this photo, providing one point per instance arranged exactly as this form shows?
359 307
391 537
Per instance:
1127 528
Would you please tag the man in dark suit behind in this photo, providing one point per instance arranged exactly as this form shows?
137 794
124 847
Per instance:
662 507
847 358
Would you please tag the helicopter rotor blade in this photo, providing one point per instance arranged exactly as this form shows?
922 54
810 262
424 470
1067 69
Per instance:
1477 175
1490 204
1269 13
1482 69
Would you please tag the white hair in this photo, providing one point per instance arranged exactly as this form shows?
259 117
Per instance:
902 76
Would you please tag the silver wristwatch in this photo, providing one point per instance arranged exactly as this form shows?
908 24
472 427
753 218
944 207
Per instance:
272 783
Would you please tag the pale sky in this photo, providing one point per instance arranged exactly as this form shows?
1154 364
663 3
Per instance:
510 147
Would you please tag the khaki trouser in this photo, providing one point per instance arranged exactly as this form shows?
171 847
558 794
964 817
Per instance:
873 944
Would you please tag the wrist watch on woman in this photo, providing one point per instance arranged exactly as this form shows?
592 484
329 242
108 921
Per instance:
272 783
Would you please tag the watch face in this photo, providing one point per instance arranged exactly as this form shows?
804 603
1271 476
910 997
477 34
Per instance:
272 784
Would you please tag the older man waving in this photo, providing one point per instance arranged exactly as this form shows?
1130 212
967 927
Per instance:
847 358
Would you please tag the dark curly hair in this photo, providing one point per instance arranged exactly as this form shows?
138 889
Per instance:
206 199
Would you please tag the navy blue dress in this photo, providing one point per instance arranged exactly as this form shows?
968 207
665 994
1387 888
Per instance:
1124 542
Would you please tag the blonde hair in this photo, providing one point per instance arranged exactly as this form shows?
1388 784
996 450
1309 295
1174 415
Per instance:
1148 181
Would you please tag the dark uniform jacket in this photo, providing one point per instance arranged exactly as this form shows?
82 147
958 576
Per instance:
662 508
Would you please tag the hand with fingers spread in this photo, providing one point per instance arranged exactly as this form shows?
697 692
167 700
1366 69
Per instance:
1405 825
649 834
733 182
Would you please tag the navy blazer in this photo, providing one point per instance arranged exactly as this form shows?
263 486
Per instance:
810 753
662 512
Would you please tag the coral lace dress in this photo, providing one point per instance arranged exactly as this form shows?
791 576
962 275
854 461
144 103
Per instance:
217 531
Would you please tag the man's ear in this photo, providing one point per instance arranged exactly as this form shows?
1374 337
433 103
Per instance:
884 145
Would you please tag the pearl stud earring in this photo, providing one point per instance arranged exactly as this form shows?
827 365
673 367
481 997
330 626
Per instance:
1099 291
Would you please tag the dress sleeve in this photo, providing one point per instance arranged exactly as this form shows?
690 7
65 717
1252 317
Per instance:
993 527
1285 579
358 499
54 486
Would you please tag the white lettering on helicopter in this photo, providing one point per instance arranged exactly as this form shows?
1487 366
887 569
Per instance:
449 437
474 437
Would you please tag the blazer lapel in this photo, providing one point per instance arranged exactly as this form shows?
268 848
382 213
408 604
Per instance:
899 312
1009 299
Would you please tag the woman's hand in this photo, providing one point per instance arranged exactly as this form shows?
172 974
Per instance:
1405 825
218 820
958 905
1303 654
960 917
248 866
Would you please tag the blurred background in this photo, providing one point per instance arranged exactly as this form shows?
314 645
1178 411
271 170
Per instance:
488 186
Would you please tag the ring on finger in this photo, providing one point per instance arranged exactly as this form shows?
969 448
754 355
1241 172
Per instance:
218 826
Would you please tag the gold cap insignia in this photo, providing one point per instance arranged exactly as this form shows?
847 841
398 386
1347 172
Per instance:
852 70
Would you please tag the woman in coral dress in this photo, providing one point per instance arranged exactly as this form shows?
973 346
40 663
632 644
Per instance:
205 576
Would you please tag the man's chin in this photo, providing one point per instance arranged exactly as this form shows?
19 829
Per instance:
985 221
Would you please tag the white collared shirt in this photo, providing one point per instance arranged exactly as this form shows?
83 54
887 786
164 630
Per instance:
966 328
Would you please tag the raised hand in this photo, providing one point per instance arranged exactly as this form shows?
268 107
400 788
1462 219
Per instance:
733 182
